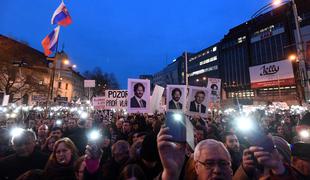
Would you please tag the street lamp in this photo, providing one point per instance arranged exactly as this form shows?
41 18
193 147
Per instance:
66 62
300 58
74 66
292 57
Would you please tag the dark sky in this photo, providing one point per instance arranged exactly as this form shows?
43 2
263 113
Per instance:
127 37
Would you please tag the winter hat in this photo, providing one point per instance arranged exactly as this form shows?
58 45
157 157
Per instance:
283 148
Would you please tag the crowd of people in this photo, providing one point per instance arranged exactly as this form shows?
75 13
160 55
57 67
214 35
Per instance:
139 146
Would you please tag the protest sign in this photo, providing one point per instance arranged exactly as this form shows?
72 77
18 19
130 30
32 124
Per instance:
197 103
176 97
99 103
116 99
138 95
156 98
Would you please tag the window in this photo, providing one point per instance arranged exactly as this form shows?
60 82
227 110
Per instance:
214 48
67 86
212 68
59 85
206 61
241 39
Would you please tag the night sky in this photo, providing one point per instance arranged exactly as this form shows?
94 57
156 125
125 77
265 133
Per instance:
127 37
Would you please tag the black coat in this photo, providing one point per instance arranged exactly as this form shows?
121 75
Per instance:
13 166
58 172
79 138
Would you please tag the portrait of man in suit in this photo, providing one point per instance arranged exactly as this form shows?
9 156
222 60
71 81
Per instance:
175 103
196 105
136 101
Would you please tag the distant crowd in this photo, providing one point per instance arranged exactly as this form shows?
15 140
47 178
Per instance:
139 146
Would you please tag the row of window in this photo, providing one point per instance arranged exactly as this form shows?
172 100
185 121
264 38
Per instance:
201 71
206 61
241 94
267 29
204 53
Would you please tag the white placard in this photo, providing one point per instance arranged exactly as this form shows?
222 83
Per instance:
6 99
116 99
156 98
197 101
176 97
99 103
89 83
138 96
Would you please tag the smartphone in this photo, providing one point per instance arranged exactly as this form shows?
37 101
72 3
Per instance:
176 121
259 138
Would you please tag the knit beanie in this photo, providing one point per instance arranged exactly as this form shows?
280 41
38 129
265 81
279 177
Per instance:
283 148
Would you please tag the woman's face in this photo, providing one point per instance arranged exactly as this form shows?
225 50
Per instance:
51 143
63 154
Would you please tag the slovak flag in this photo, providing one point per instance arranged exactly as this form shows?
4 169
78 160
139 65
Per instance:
49 43
61 16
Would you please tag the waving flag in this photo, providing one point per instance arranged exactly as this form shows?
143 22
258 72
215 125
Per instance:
49 43
61 16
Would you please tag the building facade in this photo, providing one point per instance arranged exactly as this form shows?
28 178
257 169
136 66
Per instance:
171 74
203 65
267 38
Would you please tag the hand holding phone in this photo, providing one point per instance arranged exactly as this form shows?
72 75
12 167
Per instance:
177 126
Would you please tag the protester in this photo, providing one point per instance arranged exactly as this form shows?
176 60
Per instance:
61 162
231 142
25 158
132 171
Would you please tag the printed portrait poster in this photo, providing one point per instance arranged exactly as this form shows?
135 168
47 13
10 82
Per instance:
214 87
197 101
176 97
138 96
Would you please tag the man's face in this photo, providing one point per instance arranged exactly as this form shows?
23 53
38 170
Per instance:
119 124
57 133
120 154
24 146
43 131
71 124
139 92
212 165
126 127
199 136
232 143
176 96
199 98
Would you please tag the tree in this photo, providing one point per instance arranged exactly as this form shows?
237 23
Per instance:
103 80
20 82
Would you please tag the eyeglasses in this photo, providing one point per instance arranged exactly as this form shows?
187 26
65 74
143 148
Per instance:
210 164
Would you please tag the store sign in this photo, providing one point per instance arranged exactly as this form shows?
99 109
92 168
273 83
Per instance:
278 73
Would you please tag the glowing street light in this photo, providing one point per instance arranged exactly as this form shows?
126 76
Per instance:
292 57
66 62
276 2
74 66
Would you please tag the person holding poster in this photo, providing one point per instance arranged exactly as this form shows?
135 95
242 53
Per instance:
175 103
136 101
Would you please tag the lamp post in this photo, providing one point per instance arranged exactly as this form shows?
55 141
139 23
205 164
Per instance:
304 88
300 55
